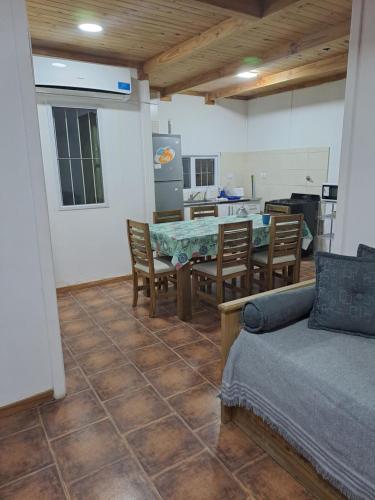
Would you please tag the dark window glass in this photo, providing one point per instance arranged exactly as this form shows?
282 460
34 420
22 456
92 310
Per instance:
94 135
205 171
61 135
88 175
78 189
73 136
186 166
78 151
66 182
84 133
98 180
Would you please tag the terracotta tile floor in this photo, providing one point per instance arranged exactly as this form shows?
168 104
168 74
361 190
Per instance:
141 419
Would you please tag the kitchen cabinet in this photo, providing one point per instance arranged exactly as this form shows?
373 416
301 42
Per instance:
225 209
186 213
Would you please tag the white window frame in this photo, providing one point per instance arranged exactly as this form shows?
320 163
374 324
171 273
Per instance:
192 170
87 206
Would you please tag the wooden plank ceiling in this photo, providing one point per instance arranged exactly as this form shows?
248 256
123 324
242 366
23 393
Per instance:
199 46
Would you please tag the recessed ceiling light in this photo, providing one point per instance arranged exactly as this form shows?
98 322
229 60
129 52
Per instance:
247 74
91 28
59 65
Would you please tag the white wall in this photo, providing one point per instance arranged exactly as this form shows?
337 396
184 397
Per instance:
91 244
305 118
205 130
355 212
30 353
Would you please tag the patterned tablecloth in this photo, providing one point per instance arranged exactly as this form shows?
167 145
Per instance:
193 238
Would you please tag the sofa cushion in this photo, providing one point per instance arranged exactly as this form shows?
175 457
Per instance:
366 251
345 295
270 312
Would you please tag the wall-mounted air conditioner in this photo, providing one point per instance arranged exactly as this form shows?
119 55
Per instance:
63 76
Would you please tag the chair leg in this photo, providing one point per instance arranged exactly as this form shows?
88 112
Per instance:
296 273
152 299
285 275
219 292
135 288
262 279
269 279
249 283
165 284
195 286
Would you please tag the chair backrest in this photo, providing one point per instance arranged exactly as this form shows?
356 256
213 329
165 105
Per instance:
168 216
285 236
140 245
203 211
270 208
234 245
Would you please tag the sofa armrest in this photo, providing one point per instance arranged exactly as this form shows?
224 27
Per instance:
231 311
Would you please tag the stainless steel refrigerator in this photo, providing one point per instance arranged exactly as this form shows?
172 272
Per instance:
168 172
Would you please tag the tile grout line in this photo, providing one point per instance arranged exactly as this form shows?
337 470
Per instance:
153 332
127 447
26 476
29 428
195 432
195 369
52 451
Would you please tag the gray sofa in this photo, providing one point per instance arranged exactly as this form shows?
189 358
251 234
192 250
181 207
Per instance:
315 388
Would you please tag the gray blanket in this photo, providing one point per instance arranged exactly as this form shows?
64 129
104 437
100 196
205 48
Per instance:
317 389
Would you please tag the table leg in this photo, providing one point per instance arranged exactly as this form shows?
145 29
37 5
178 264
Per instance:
184 306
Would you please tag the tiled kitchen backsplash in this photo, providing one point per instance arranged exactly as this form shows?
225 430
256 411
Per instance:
277 173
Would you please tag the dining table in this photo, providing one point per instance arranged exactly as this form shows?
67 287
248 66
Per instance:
185 241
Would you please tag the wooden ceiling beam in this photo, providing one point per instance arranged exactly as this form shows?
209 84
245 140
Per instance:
315 70
273 6
262 8
251 9
310 41
186 48
340 75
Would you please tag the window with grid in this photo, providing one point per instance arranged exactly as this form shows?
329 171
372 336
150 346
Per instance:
78 155
200 171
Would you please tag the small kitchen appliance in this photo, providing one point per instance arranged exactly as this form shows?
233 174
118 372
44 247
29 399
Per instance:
329 192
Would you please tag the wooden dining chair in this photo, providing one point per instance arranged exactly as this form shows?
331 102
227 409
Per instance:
270 208
161 217
233 261
152 269
203 211
283 253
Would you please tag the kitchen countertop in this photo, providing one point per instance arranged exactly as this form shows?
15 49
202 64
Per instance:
190 203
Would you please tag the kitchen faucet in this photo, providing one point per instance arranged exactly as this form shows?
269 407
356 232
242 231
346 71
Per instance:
193 195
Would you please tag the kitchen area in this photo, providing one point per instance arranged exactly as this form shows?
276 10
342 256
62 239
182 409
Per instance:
173 183
242 184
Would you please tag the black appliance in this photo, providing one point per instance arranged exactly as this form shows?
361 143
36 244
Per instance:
308 205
